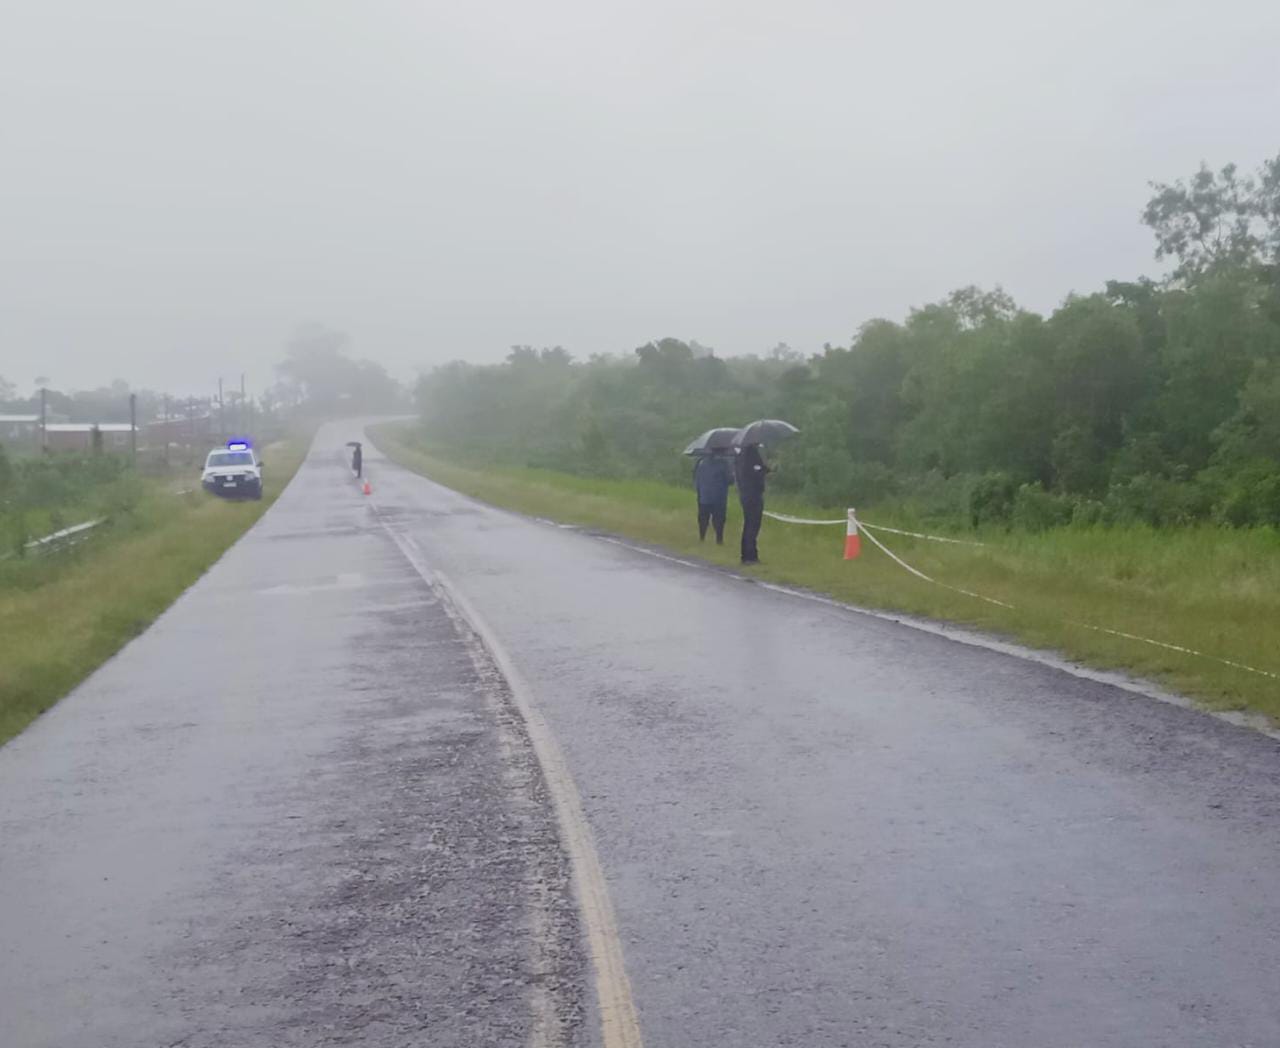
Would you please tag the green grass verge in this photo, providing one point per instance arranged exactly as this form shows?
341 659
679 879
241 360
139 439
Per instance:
63 615
1211 589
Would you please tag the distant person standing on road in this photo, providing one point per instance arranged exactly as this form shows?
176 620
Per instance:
712 476
357 461
750 471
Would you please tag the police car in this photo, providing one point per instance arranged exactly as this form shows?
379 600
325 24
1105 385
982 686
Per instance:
234 471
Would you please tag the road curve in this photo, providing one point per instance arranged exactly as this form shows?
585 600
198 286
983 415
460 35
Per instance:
300 810
821 828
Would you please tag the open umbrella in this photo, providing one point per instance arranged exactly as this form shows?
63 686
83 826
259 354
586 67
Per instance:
715 440
764 431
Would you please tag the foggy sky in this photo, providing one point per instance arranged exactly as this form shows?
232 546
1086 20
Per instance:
182 184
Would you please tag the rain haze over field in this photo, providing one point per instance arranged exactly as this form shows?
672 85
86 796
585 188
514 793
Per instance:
184 184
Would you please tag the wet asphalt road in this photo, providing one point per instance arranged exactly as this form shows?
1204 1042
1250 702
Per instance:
818 828
297 811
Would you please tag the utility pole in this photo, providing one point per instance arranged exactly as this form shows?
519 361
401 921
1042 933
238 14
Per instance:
165 429
44 419
222 416
133 427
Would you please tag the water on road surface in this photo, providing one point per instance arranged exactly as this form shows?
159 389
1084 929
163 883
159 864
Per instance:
302 809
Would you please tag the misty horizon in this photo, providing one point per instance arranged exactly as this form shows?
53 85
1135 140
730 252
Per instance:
184 189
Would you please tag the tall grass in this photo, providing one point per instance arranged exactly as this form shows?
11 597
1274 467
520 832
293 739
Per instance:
62 616
1211 589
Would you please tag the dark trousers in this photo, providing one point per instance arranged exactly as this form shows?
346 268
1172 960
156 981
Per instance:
712 513
752 516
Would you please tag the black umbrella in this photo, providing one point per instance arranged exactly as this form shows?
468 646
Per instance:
353 443
713 440
764 431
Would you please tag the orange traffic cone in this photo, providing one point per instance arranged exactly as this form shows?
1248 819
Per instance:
368 488
852 540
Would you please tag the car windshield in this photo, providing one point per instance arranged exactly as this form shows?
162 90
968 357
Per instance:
230 458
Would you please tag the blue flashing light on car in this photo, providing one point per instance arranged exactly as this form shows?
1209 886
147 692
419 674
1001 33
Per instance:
238 444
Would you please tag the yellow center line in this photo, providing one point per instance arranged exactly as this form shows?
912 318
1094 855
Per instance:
619 1021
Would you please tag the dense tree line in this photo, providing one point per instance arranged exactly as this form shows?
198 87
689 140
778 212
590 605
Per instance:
1153 401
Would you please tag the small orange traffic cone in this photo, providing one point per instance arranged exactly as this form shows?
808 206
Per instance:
852 540
368 488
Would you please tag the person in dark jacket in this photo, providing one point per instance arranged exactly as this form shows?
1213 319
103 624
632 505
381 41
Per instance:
357 460
750 471
712 476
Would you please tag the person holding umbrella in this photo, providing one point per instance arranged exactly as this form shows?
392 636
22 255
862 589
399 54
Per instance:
712 476
750 471
357 457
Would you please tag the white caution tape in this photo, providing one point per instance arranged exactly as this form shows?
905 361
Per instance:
800 520
1176 647
872 527
920 574
920 535
1083 625
869 528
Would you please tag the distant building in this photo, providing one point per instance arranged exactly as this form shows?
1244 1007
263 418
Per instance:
20 429
185 431
78 436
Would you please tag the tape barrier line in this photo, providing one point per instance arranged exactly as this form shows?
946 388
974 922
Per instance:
874 527
920 574
1176 647
1084 625
920 535
1003 604
800 520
